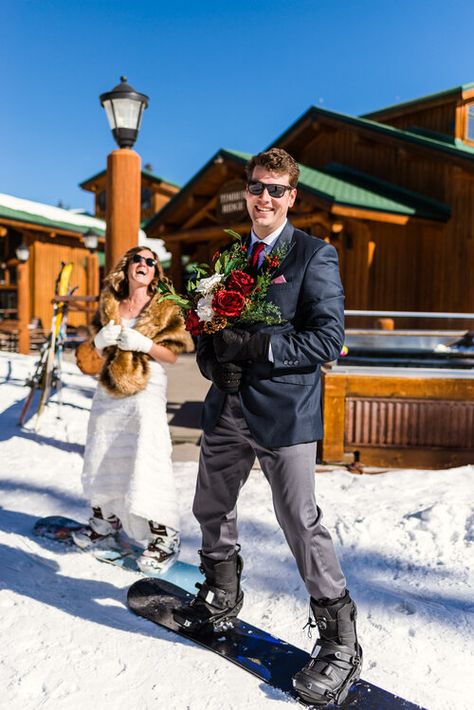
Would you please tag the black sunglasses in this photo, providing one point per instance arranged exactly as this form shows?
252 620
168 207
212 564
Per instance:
255 187
137 259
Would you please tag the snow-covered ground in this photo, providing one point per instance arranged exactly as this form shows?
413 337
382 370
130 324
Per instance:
68 641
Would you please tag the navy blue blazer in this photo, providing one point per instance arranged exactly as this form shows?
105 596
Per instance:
281 401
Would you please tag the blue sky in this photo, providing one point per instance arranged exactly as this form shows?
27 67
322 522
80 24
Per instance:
218 74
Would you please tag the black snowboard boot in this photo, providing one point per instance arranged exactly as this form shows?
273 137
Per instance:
220 597
336 658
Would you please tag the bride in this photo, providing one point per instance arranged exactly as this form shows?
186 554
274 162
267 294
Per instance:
127 473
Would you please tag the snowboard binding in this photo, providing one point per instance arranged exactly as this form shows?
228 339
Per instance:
336 661
219 599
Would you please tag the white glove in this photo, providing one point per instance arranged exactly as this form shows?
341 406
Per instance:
107 335
130 339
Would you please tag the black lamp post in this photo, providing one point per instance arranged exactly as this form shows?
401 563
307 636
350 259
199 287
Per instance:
124 108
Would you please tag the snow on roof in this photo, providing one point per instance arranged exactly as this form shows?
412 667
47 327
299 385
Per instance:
72 219
55 214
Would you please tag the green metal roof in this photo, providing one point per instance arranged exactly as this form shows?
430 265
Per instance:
53 223
356 187
341 185
453 147
147 173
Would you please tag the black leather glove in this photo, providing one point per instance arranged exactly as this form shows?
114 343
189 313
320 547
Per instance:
233 344
227 376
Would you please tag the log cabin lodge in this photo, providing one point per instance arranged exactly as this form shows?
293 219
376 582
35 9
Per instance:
392 190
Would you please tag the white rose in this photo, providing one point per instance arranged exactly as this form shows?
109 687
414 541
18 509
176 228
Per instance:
207 284
204 308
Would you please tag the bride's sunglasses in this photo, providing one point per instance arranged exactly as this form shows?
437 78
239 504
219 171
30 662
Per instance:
137 259
255 187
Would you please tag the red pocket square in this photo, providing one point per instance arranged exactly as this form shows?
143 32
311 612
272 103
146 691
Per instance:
279 280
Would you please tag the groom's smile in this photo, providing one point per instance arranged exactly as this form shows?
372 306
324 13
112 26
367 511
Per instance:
268 213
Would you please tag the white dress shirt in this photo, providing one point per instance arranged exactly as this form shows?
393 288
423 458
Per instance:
269 244
269 241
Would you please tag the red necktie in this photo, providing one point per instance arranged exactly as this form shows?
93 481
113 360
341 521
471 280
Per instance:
257 249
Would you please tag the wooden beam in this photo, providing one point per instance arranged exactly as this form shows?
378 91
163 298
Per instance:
358 213
32 228
210 204
123 204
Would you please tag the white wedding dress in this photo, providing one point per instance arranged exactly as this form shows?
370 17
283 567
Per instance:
127 462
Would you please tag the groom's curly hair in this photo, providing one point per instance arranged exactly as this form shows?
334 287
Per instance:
277 161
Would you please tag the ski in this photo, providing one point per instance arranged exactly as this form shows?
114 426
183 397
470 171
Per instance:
45 374
50 375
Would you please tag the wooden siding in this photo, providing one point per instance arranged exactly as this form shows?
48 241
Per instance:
440 119
394 420
45 262
380 158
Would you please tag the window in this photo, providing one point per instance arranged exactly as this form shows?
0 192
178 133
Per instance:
146 198
470 123
101 201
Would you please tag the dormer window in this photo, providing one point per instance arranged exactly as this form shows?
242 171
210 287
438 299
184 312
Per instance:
470 123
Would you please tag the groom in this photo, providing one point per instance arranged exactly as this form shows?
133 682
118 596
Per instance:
265 402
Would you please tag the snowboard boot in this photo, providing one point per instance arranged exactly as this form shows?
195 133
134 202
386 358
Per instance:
100 534
162 551
336 658
220 597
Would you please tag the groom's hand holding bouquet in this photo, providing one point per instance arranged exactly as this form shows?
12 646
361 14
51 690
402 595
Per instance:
227 296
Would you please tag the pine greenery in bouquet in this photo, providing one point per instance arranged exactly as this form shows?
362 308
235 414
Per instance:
228 292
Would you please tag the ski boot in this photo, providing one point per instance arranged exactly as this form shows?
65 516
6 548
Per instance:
219 598
336 658
100 534
162 551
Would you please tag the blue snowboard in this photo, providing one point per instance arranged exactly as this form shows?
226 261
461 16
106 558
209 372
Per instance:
59 528
265 656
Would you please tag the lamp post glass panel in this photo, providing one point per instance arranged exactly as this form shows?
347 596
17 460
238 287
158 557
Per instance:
22 252
91 240
124 108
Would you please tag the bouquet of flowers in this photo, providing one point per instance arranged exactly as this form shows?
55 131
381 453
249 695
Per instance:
228 292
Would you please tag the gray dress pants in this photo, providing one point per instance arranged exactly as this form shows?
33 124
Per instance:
227 456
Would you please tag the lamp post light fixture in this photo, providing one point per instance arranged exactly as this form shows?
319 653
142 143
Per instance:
22 253
124 108
91 240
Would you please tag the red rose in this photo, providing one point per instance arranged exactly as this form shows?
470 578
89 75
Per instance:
240 281
228 303
193 324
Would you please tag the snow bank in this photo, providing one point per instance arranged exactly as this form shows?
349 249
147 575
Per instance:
68 641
